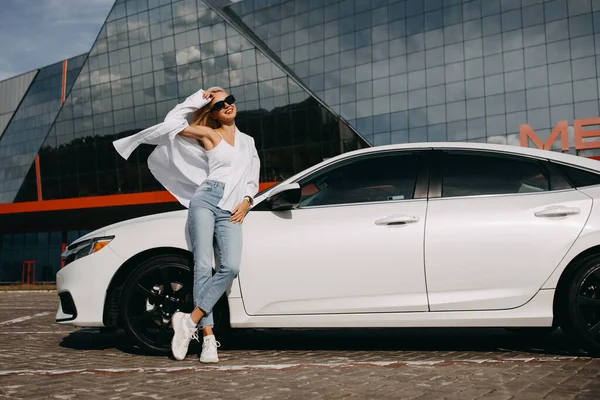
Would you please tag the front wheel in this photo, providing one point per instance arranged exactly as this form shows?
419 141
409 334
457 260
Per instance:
154 291
583 306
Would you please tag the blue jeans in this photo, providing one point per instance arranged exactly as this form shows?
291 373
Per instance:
208 223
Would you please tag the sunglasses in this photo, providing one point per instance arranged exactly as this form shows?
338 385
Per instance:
219 105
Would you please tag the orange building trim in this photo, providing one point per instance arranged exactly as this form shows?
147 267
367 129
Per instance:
63 88
115 200
88 202
38 179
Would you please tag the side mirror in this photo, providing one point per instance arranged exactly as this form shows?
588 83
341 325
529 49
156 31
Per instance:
284 197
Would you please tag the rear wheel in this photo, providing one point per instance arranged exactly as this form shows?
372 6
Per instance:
154 291
583 306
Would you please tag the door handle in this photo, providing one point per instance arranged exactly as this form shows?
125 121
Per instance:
397 220
558 211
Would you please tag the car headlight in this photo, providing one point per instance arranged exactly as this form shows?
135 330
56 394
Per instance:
85 248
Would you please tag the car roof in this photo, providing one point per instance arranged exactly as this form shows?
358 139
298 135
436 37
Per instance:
575 160
570 159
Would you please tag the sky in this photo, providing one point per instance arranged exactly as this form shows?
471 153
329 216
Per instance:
36 33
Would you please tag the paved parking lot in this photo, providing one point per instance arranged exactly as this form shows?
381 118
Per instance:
40 359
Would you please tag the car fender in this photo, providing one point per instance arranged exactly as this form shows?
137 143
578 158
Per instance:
168 230
139 235
587 239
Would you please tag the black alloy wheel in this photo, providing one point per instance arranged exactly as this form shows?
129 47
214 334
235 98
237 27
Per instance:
151 295
583 306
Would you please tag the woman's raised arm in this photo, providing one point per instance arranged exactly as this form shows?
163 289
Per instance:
196 132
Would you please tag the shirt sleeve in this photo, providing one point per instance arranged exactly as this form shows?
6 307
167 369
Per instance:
154 135
180 112
174 122
252 184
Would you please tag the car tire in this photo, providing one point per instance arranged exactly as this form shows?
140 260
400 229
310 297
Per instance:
156 289
582 309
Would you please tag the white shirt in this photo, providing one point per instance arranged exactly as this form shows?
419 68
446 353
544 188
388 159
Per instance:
181 164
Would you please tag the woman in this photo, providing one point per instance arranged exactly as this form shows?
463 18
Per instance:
213 169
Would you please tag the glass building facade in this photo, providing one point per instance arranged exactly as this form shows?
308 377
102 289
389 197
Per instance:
312 79
12 90
30 124
437 70
145 61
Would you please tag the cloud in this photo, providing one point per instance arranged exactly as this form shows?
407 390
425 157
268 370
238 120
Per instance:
188 55
36 33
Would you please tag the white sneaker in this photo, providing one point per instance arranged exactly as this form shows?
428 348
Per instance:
183 335
209 350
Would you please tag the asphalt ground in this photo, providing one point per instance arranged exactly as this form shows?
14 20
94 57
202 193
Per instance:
40 359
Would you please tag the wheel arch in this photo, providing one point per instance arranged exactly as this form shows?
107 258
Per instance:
565 278
110 317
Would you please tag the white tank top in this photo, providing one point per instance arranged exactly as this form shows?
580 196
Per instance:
220 159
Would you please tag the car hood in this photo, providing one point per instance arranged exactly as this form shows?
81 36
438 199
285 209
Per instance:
114 228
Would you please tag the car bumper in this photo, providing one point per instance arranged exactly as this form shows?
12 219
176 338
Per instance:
82 286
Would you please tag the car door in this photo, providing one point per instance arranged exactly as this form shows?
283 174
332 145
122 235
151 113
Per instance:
354 244
499 226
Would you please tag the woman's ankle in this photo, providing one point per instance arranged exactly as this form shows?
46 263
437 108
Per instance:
207 331
197 315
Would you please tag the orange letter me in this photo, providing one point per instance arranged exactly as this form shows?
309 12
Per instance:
580 133
561 128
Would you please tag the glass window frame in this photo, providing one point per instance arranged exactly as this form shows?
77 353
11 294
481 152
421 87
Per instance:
556 180
565 168
421 181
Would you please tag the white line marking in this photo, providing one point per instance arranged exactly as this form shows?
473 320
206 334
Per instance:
23 319
229 368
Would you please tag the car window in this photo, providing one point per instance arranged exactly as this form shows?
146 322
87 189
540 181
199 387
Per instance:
383 177
578 177
473 174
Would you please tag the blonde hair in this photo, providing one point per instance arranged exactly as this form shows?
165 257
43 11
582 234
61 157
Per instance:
202 115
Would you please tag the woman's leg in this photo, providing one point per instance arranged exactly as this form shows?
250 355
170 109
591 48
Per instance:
201 220
229 241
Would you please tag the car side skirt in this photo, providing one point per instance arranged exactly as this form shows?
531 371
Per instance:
535 313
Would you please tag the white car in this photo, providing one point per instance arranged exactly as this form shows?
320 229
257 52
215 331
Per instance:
417 235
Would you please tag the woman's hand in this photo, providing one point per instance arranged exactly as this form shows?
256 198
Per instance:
239 212
207 95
